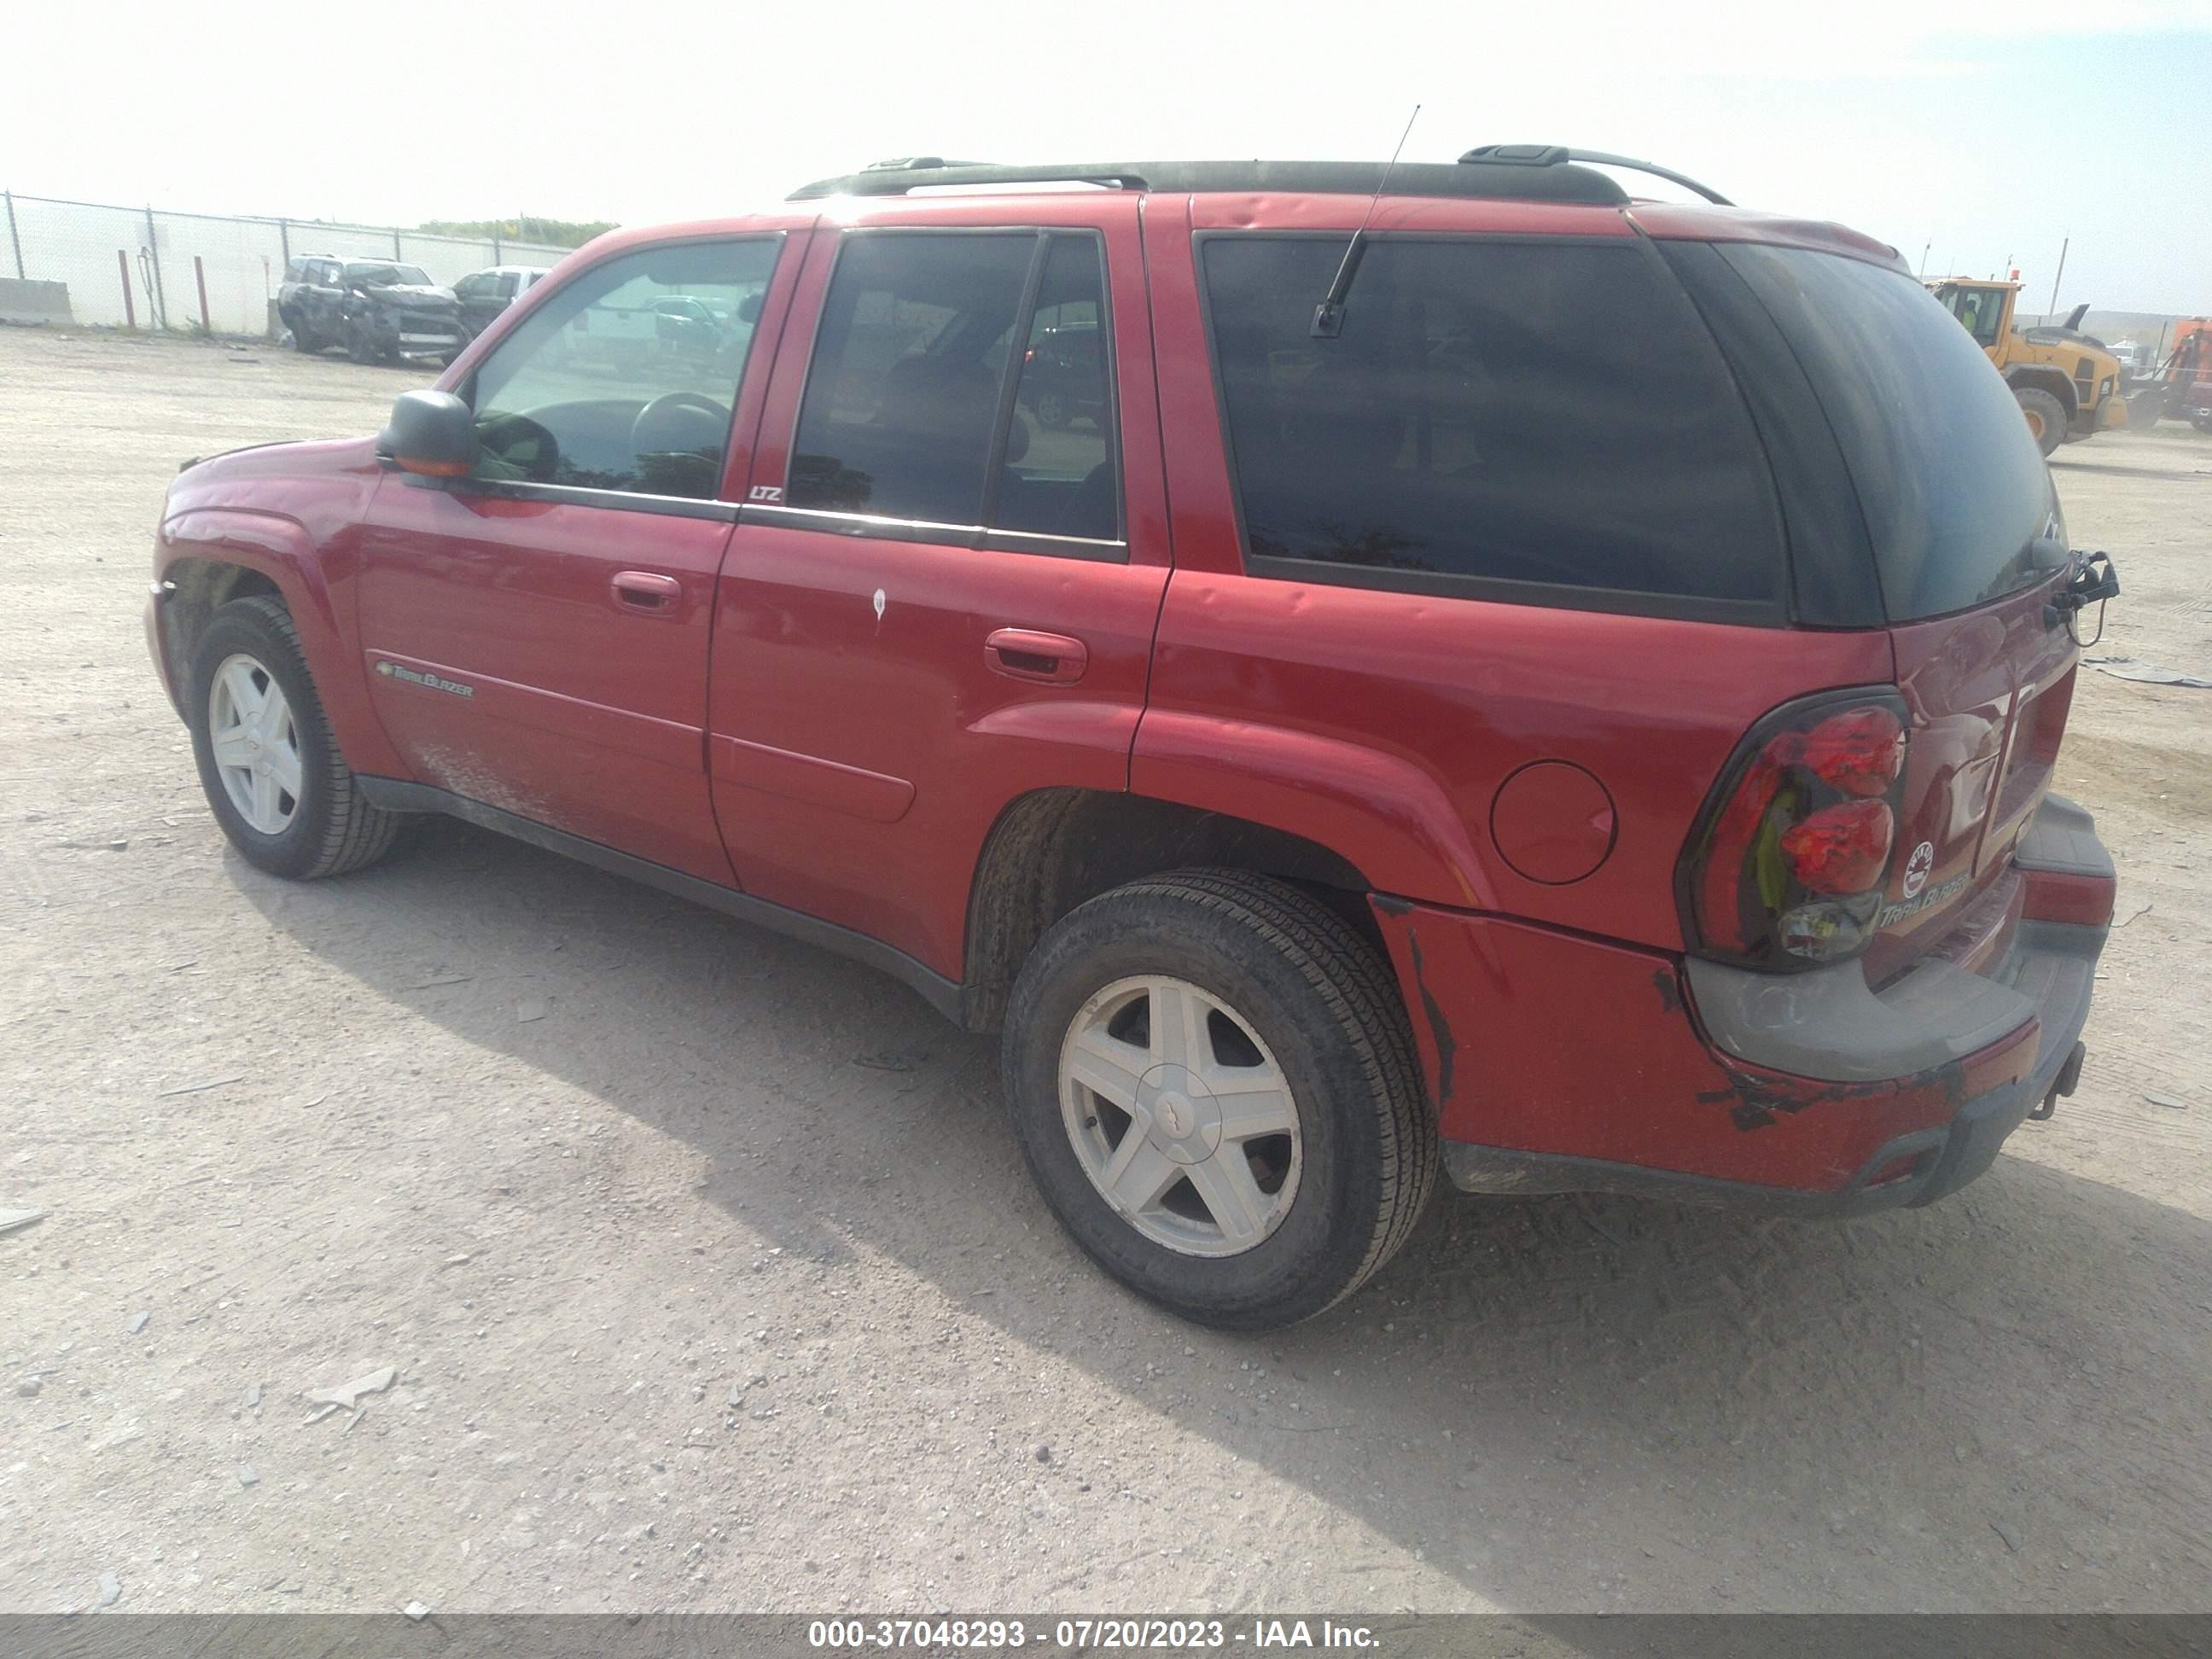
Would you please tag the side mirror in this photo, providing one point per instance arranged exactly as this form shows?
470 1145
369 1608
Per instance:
749 308
432 434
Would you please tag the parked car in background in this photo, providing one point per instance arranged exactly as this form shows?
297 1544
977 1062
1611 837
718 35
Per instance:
1561 695
2138 362
688 326
484 294
380 310
1066 379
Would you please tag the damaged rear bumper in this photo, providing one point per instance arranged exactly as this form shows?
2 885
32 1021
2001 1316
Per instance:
1559 1063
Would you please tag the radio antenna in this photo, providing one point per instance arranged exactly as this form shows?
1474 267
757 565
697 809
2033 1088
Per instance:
1328 315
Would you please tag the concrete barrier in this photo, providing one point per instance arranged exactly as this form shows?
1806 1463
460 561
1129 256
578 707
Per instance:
33 302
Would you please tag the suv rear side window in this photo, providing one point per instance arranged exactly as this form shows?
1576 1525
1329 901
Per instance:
1953 487
1063 482
915 388
1545 422
902 393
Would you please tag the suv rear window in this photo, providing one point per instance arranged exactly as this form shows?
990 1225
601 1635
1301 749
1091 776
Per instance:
1546 422
1953 487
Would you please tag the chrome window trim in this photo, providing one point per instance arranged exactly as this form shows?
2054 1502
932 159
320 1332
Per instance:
923 530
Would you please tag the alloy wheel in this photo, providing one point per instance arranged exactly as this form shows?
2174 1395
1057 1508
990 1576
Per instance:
1180 1115
256 744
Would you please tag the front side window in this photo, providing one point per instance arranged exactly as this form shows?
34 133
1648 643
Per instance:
1541 419
596 391
919 407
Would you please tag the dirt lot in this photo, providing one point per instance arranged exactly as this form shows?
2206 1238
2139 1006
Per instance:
725 1168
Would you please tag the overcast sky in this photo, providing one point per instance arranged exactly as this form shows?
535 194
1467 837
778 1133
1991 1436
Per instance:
1992 132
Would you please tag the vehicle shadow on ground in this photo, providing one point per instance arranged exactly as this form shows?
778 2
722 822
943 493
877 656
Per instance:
1559 1402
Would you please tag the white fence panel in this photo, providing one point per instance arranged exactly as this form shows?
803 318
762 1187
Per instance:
243 260
74 243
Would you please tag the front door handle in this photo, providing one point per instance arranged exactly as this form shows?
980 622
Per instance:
1023 653
645 592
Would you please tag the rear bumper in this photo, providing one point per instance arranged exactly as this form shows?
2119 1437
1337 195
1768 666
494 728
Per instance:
1559 1063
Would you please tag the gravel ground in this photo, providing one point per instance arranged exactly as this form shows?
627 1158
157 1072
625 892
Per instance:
720 1285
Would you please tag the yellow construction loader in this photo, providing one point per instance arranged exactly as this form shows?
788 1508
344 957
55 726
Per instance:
2068 384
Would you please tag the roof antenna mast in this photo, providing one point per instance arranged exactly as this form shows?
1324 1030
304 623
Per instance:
1328 315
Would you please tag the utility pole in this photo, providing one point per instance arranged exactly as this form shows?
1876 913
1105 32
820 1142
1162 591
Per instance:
2062 246
1923 258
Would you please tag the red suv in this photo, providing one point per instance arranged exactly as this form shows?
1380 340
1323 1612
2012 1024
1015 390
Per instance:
1554 686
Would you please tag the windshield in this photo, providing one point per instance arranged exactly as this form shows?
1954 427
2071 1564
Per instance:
1953 487
387 276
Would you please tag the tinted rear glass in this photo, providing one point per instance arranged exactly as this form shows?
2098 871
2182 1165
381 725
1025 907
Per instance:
1552 415
1952 485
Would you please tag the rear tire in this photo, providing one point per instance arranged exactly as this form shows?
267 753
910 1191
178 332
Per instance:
304 341
2046 416
1295 1151
314 819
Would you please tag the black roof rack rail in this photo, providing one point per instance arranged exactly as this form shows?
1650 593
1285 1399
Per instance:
1469 178
1551 155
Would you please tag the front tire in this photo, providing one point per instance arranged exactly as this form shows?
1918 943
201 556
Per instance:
1212 1079
2046 416
267 762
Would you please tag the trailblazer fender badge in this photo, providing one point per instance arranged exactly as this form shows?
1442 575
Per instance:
434 681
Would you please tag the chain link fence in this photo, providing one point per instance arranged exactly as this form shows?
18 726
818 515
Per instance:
145 268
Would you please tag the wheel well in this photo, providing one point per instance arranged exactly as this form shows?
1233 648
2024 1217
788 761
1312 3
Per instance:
1052 850
203 587
2050 380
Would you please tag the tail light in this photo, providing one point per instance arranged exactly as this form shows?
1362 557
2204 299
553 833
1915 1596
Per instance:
1788 864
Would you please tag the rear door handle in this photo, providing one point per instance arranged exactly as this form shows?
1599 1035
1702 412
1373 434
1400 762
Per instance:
1023 653
645 592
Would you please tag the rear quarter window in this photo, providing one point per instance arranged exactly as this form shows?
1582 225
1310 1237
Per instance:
1952 488
1546 422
